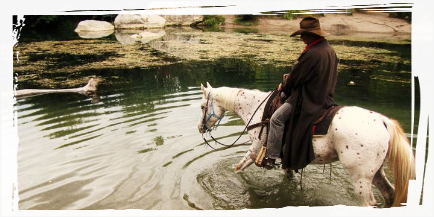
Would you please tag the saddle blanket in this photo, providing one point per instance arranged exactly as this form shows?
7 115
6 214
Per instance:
322 123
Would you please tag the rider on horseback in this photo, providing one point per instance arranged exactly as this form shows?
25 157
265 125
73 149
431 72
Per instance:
310 87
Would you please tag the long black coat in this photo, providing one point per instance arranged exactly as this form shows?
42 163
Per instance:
311 86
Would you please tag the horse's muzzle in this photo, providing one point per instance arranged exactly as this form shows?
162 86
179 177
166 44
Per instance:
202 128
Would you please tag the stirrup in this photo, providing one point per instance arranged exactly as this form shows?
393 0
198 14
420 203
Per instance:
263 162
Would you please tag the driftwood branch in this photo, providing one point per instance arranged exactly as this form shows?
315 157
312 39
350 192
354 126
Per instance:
88 90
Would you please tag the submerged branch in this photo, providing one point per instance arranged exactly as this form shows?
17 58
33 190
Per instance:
88 90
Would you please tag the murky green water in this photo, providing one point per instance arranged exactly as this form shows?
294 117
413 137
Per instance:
137 145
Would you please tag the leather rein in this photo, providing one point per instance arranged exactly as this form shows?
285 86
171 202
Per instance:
212 113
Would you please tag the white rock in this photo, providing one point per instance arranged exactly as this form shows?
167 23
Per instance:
139 21
177 12
93 26
155 21
129 21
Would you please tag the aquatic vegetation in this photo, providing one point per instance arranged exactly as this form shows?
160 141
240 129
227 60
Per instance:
71 63
159 140
145 150
58 64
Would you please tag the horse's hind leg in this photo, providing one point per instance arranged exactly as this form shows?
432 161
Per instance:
363 189
385 187
361 167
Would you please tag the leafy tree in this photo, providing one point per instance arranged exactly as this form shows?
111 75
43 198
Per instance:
210 14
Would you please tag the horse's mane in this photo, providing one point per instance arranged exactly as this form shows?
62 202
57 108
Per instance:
226 96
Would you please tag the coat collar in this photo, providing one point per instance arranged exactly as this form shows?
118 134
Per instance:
313 43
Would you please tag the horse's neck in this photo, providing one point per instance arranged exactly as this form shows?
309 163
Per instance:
226 97
241 101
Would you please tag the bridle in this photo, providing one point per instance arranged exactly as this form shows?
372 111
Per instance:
212 113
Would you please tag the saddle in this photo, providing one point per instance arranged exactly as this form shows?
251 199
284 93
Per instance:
320 126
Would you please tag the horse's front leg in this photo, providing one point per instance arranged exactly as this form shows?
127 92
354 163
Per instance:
248 159
250 156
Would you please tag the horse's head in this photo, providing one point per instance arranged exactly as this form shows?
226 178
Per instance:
211 112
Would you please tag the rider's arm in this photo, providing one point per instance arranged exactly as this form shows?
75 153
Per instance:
301 72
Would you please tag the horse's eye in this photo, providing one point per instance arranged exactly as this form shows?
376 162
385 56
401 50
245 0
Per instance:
202 107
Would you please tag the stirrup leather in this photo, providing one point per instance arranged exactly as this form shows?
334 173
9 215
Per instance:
259 159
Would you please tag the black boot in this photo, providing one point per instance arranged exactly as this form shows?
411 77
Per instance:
269 163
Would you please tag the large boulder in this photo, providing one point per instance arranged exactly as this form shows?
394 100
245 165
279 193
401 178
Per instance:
94 26
152 21
181 13
139 21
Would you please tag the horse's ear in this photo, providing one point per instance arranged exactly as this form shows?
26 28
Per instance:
208 85
203 89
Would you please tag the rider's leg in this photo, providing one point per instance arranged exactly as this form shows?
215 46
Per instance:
275 134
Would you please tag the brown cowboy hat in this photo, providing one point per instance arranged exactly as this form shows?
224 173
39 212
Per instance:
310 24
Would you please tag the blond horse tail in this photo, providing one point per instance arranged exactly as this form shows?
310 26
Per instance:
400 159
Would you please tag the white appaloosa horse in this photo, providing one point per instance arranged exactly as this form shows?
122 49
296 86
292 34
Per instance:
360 139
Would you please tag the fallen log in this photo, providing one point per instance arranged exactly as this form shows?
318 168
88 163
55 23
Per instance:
88 90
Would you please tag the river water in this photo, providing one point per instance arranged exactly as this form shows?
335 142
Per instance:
137 146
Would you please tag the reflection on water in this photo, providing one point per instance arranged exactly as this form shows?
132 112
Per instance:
138 147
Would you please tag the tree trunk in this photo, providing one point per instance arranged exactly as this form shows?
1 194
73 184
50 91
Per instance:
88 90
